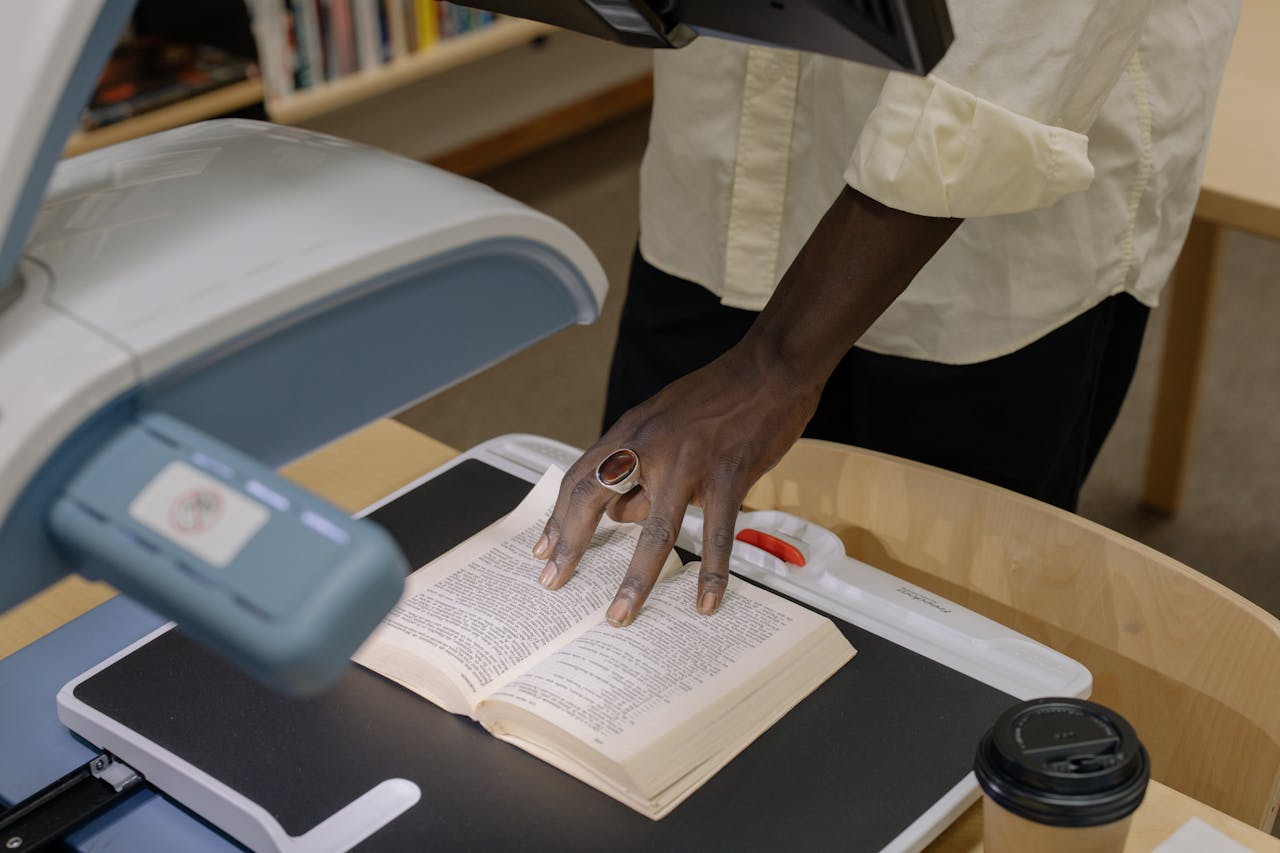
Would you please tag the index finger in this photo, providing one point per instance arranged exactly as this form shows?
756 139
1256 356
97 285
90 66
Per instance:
569 529
584 469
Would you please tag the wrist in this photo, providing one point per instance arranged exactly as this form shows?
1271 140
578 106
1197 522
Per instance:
858 260
783 365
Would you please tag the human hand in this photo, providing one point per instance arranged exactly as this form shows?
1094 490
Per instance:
706 438
703 440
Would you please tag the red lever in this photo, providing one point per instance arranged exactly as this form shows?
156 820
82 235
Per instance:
784 551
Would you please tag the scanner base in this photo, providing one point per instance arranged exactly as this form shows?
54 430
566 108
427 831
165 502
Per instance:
844 767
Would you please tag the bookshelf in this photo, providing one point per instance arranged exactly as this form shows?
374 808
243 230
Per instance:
227 99
447 54
507 89
499 104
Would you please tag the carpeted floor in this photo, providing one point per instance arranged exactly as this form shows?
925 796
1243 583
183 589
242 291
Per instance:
1229 529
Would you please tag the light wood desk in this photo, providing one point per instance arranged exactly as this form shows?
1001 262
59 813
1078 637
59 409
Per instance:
1161 814
384 456
1241 190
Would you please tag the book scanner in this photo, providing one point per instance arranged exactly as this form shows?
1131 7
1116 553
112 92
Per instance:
877 758
183 313
188 311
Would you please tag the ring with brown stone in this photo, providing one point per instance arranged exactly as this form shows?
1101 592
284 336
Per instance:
620 471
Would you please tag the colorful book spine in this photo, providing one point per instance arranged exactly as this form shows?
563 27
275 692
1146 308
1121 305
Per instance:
384 32
275 59
428 25
410 13
342 32
310 70
306 43
368 34
397 37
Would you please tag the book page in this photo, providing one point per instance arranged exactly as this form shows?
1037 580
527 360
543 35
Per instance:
478 614
619 691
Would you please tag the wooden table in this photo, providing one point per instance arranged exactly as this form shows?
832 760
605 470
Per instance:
365 466
1161 814
1241 190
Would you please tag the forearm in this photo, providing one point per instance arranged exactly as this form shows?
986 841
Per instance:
858 260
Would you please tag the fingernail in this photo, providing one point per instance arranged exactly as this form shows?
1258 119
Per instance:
619 613
542 550
709 603
548 575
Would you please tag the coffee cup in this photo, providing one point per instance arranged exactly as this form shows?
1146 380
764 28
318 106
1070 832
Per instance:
1060 775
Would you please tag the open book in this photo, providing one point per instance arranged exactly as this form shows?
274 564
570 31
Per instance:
645 714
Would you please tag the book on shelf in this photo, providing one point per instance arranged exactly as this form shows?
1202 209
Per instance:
275 56
645 714
426 17
308 42
397 28
147 73
304 44
342 38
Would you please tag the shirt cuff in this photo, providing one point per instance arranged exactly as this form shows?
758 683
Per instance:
933 149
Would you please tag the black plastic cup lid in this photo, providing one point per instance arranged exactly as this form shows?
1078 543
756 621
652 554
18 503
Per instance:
1063 762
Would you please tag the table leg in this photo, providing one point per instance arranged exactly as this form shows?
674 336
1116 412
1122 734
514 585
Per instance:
1190 314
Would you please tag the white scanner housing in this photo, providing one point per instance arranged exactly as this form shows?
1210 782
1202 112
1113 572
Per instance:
209 303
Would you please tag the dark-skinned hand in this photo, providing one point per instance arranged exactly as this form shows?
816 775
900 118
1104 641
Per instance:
706 438
703 440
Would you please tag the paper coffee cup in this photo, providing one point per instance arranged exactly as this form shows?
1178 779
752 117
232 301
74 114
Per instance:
1060 775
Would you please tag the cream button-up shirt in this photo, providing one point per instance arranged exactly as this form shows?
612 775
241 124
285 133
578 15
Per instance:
1068 133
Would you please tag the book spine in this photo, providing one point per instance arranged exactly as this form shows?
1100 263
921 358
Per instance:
384 32
428 26
325 9
393 11
444 20
305 71
306 18
410 12
342 26
368 34
268 25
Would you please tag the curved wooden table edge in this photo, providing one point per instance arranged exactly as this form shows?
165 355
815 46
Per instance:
1065 516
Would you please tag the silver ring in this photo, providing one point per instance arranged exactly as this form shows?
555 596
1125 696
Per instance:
620 471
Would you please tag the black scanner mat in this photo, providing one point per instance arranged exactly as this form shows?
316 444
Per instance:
851 766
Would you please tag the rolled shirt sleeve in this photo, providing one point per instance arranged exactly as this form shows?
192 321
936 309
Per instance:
1001 124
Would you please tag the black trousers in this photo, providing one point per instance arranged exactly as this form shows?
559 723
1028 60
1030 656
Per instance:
1032 421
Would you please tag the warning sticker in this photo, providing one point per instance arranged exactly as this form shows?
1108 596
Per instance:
206 517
